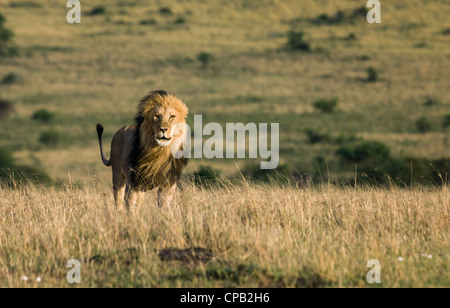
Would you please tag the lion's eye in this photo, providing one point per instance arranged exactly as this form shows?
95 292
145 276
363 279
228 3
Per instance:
171 117
156 116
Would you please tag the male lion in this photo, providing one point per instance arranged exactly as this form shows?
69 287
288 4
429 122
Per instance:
141 157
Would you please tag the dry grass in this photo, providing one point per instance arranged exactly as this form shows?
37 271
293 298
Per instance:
259 236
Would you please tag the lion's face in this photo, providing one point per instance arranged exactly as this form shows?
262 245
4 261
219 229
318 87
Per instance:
165 126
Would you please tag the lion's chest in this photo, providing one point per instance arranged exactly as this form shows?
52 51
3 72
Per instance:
153 173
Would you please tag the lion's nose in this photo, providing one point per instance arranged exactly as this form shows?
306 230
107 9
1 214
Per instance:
163 130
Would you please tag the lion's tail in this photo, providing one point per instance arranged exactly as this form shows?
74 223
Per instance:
105 161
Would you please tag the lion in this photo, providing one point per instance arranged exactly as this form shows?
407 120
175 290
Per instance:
141 157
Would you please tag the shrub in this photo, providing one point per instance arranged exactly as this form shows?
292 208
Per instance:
446 121
5 108
6 158
424 171
366 152
165 10
49 138
10 51
43 115
206 175
326 105
151 21
180 20
7 164
29 174
446 31
324 19
423 125
10 173
376 166
281 174
372 74
205 58
315 137
6 35
350 37
360 12
11 78
296 41
340 17
363 58
98 10
429 101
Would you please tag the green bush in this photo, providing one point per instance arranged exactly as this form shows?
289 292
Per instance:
12 78
350 37
6 158
324 19
446 31
205 58
296 41
446 121
373 159
430 101
165 11
372 74
423 125
360 12
326 105
98 10
315 137
10 173
340 17
207 175
180 20
372 153
6 108
282 174
43 115
6 35
376 166
49 138
420 171
151 21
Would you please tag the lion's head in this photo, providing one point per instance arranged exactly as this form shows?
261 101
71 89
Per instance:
160 114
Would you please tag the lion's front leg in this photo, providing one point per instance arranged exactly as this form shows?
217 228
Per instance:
165 195
131 197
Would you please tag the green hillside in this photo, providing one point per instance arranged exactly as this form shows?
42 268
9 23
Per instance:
231 62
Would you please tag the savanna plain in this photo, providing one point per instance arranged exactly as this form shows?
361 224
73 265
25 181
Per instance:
364 143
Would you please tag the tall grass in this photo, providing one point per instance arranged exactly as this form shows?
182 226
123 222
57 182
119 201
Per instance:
259 236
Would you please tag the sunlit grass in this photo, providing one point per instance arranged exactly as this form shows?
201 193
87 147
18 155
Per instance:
266 236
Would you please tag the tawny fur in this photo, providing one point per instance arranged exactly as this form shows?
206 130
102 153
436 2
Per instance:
141 157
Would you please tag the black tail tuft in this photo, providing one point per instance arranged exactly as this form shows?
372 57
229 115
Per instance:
105 161
100 129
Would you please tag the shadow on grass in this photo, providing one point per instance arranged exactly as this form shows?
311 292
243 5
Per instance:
238 275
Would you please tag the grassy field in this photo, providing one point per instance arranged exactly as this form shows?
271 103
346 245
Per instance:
250 235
